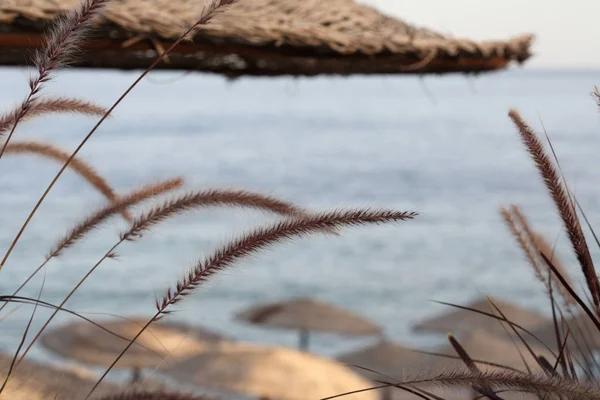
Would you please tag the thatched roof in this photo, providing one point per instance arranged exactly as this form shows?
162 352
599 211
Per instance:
309 315
36 381
463 321
33 381
259 37
481 345
90 344
388 359
583 334
269 372
393 360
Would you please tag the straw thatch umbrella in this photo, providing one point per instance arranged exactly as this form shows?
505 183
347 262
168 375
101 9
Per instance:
583 334
258 37
481 345
33 381
462 321
401 363
387 359
305 315
269 372
90 344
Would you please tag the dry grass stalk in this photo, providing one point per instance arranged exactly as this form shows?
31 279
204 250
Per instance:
462 353
55 153
530 383
61 45
544 247
52 106
63 42
481 387
169 209
536 384
596 95
154 395
525 245
98 217
563 203
118 206
209 12
254 241
265 237
190 201
532 244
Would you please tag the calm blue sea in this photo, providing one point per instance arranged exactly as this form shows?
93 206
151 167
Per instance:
442 145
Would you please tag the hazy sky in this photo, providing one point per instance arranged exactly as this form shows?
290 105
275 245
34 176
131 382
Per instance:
567 31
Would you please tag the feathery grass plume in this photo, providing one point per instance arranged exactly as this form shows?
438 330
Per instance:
119 205
211 9
64 40
144 394
61 45
532 243
596 95
52 106
86 171
215 7
254 241
525 245
453 357
214 197
508 381
265 237
175 207
98 217
530 383
563 203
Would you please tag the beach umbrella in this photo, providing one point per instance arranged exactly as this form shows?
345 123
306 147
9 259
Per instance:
92 345
505 351
268 372
388 360
258 38
459 320
307 314
583 334
34 381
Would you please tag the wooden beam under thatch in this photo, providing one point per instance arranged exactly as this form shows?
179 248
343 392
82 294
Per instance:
257 38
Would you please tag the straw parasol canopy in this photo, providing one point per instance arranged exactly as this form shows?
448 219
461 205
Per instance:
583 334
462 321
258 38
90 344
33 381
305 315
130 394
387 358
483 346
269 372
402 363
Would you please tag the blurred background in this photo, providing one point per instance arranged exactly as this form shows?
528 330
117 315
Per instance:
566 34
442 146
